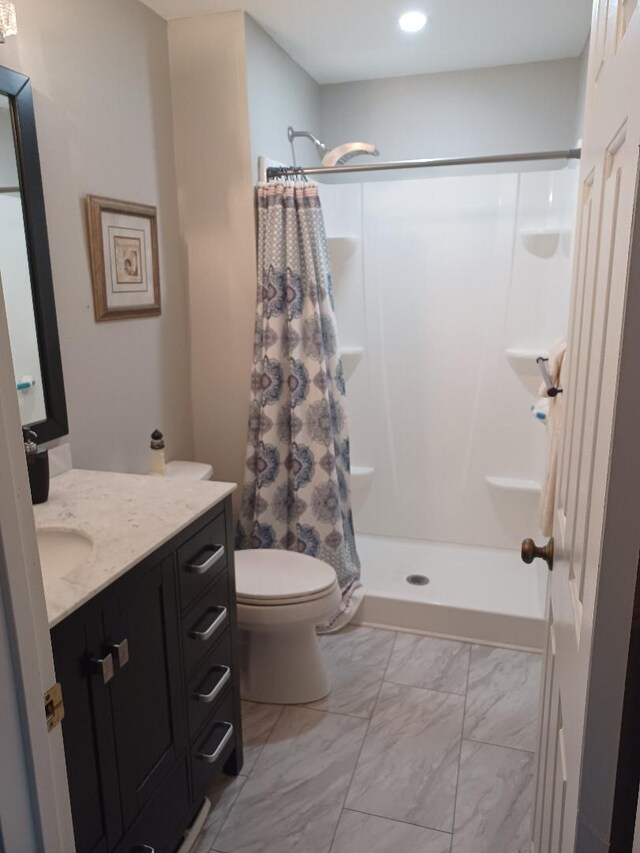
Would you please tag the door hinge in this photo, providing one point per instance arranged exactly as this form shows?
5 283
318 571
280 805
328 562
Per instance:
53 706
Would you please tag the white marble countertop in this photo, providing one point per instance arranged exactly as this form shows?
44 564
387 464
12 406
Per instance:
128 516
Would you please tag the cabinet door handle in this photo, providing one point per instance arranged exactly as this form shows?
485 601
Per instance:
220 683
202 567
121 651
212 757
143 848
103 666
210 630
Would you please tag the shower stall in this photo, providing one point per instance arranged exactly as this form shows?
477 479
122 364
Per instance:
447 288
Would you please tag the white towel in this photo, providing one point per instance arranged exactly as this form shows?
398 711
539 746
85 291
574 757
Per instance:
554 421
540 410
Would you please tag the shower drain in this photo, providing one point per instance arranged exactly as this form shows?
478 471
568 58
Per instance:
418 580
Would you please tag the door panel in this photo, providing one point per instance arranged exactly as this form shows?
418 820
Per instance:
545 741
559 787
589 388
614 176
626 8
582 316
145 692
599 35
93 829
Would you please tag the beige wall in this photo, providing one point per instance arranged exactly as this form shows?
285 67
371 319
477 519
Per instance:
211 125
100 73
234 94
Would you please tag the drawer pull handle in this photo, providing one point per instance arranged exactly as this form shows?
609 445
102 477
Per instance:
143 848
220 683
103 667
208 632
205 565
211 757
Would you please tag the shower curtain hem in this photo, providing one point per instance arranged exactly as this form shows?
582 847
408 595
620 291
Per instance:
352 598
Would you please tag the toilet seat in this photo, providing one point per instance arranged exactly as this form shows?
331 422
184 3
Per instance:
277 578
285 601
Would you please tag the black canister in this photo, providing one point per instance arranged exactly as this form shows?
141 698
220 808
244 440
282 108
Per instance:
37 466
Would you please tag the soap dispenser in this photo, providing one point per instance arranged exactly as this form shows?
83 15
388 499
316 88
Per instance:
157 453
37 466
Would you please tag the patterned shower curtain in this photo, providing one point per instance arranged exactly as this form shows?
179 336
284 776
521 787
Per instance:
296 494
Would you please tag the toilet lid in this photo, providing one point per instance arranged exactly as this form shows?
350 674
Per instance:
188 470
270 577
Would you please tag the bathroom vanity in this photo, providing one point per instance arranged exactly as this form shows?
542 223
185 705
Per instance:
143 630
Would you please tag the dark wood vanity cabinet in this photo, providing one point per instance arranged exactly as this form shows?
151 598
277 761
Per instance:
149 677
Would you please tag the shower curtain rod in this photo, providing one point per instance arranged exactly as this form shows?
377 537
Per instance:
284 171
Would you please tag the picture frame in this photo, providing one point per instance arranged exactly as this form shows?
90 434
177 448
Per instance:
123 251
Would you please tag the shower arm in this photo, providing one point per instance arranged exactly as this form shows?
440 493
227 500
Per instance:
296 134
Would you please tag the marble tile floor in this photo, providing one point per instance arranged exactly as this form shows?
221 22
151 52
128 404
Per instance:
425 745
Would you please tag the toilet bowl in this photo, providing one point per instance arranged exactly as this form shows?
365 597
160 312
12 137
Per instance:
282 596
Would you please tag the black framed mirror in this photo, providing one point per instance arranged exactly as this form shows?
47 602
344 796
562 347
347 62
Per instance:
25 265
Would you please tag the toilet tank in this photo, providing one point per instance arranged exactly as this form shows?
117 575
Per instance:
188 470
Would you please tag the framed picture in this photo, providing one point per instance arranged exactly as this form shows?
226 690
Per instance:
123 248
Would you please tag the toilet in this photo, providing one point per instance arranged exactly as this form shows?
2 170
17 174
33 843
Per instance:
282 596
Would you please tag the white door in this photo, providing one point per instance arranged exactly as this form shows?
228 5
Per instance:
597 521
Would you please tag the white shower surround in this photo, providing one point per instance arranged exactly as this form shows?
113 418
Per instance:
434 289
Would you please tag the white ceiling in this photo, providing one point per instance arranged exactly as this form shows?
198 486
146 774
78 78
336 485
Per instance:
339 40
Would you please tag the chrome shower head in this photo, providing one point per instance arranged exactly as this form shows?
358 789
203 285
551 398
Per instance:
343 153
337 156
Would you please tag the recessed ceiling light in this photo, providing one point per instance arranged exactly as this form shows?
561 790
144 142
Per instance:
412 22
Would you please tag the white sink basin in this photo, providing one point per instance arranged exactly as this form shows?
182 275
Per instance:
62 550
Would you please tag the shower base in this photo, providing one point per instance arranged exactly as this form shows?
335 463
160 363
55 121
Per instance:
485 595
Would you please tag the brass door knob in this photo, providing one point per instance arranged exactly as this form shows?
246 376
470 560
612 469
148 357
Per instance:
530 551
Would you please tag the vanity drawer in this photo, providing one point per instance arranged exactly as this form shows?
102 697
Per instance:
205 624
160 825
209 684
201 560
211 750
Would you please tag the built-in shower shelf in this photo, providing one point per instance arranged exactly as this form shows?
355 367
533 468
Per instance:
341 248
514 484
351 352
361 476
350 358
542 242
523 360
